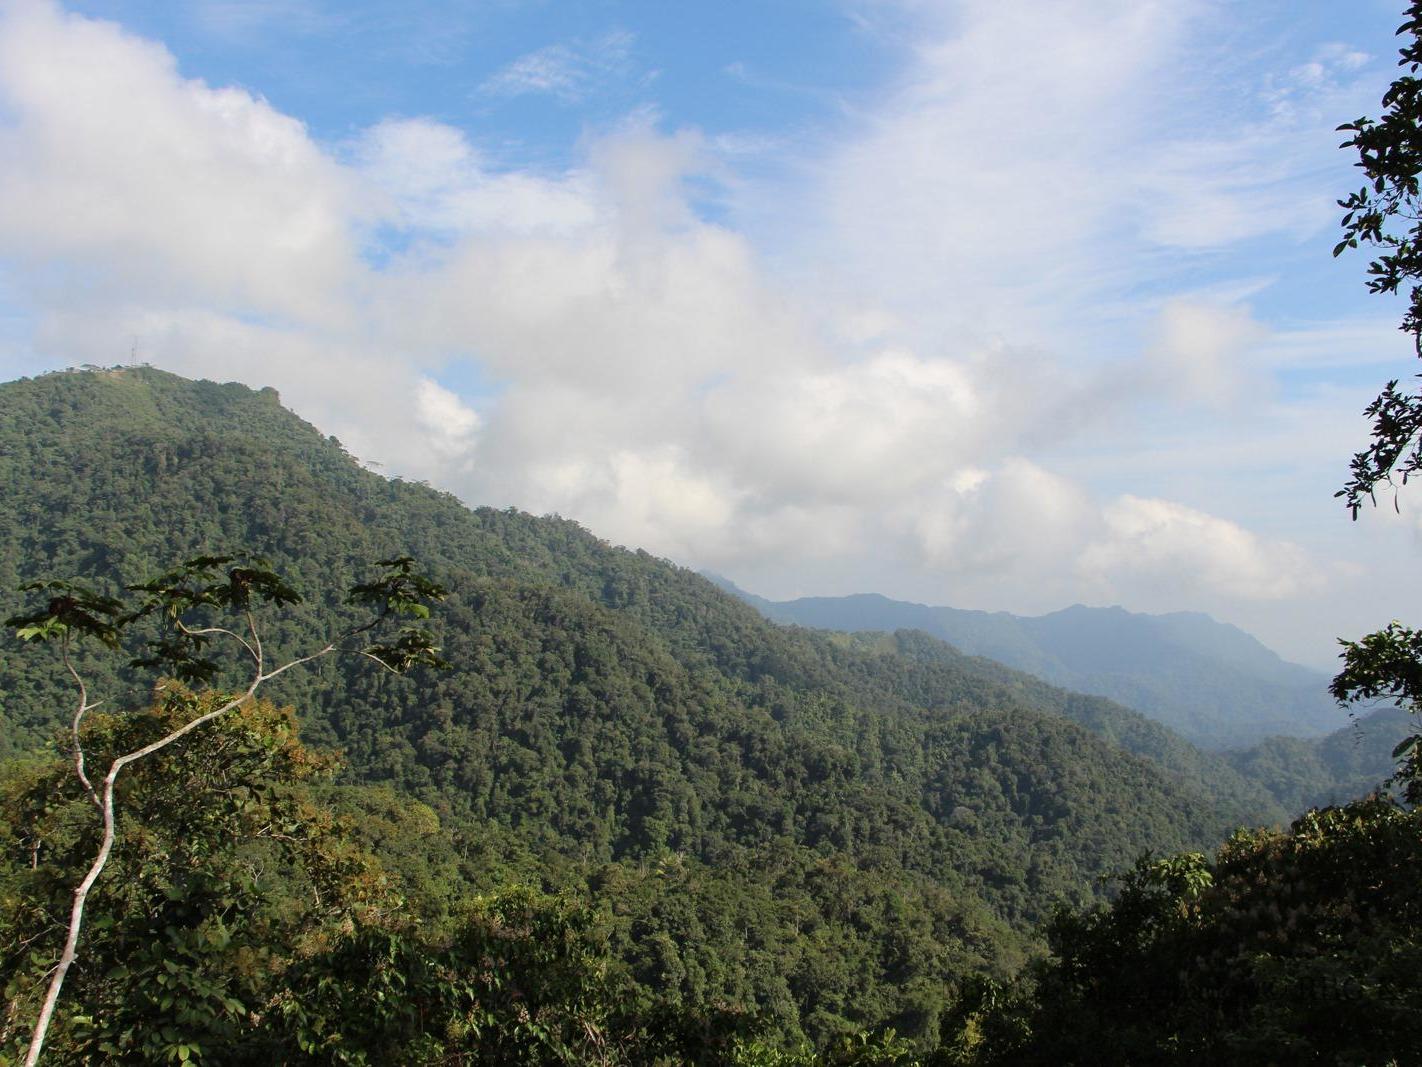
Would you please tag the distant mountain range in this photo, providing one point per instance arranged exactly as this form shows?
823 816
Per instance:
1211 682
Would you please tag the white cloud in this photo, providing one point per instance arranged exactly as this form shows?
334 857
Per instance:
651 379
983 183
1207 353
451 423
437 183
1164 542
568 71
659 499
864 432
1026 524
1322 76
1018 519
1038 195
163 185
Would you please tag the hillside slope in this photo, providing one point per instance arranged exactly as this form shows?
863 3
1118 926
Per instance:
885 814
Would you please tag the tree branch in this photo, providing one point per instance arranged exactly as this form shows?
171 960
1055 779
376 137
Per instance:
90 614
80 712
298 662
202 631
81 893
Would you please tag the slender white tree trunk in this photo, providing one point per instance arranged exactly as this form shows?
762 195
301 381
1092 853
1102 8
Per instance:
397 600
101 859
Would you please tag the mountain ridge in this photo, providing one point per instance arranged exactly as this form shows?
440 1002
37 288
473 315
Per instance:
1217 685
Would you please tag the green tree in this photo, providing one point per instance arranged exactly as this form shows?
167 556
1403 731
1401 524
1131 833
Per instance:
1385 215
1299 946
229 867
244 919
179 616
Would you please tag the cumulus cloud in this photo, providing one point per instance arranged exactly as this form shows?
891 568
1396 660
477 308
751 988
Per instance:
433 181
649 377
451 423
1023 523
865 432
1018 519
160 185
1162 541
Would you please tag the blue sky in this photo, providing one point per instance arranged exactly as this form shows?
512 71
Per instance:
1004 306
528 78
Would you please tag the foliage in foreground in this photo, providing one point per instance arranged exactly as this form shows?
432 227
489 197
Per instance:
186 604
247 920
244 920
1303 946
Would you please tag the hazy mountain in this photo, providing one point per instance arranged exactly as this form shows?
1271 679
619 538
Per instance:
1212 682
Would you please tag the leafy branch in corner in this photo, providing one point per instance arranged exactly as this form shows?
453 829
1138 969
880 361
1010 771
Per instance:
186 604
1388 665
1390 157
1386 214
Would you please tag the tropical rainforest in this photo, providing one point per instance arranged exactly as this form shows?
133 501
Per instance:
632 819
594 809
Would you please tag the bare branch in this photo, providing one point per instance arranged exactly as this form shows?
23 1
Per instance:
298 662
202 631
80 712
257 654
373 659
412 588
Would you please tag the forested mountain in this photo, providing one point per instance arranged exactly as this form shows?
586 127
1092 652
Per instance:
828 829
1211 682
